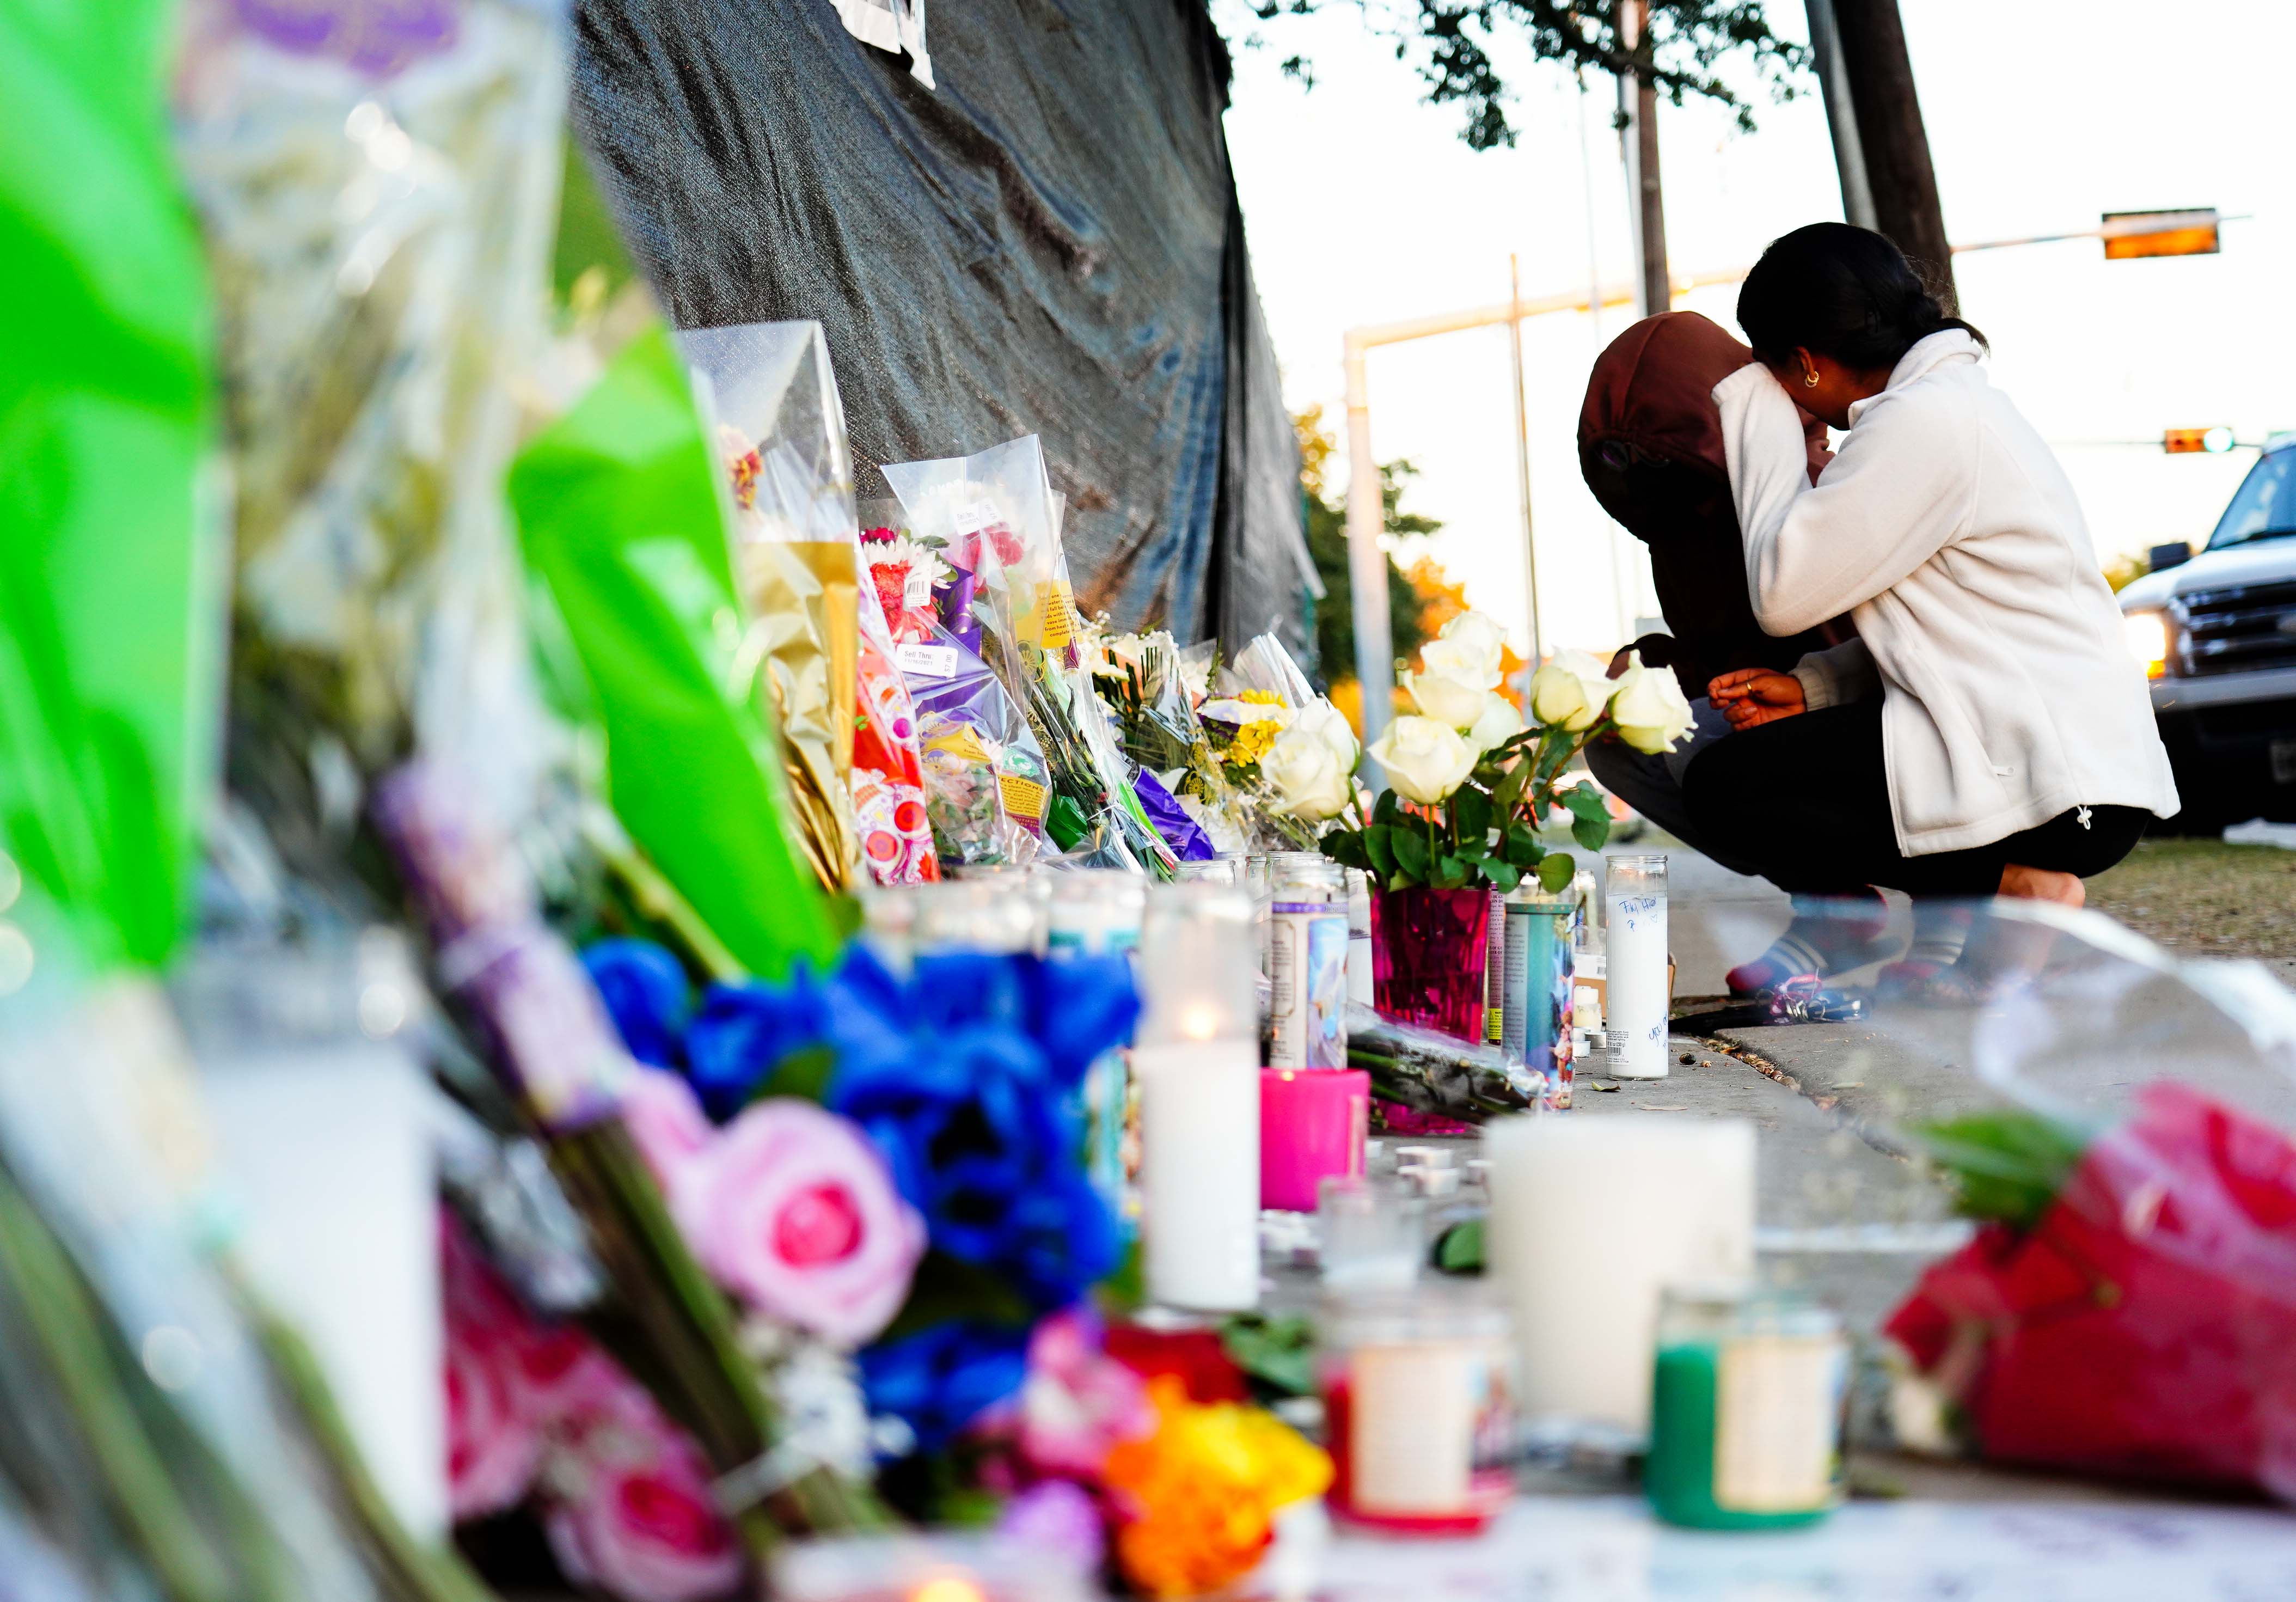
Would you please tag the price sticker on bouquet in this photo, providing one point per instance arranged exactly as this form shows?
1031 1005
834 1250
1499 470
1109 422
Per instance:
926 660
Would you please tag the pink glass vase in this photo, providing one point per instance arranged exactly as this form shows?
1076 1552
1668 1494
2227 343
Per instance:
1427 957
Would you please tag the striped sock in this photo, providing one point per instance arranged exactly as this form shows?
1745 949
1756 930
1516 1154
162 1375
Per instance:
1825 937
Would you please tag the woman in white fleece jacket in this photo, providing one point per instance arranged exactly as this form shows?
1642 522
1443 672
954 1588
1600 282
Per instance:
1987 732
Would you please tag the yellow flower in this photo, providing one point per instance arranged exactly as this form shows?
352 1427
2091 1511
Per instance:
1200 1493
1252 743
1261 698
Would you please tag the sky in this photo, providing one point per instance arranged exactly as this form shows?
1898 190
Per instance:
1363 205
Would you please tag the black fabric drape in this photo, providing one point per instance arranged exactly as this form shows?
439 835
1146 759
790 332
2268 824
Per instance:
1046 244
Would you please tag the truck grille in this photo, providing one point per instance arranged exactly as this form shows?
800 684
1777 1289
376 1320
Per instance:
2239 629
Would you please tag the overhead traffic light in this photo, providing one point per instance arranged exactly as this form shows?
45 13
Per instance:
2129 234
2192 441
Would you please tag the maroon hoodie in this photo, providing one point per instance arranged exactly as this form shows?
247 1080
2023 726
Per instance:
1649 445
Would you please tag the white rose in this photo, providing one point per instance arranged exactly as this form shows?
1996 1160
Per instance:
1460 659
1556 696
1455 702
1306 774
1328 724
1424 760
1650 708
1498 719
1596 686
1477 632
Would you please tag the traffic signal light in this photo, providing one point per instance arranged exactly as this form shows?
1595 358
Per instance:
2129 234
2192 441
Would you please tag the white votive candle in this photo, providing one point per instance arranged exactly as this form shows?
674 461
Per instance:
1197 1066
1590 1219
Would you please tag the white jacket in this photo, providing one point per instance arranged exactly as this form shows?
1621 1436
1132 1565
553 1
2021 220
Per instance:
1949 532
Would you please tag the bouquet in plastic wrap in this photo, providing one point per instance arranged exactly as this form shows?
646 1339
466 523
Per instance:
2127 1306
997 524
377 196
634 600
2127 1309
1140 688
1288 753
771 397
984 780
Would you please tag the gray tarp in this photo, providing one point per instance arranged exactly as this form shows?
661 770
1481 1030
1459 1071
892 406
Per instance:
1048 243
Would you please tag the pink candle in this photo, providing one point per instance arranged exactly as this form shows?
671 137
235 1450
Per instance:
1311 1125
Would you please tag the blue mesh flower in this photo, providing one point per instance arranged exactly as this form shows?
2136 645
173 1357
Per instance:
646 993
1078 1007
942 1379
745 1030
973 1102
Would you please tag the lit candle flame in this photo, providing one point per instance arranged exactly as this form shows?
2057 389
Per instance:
1199 1022
947 1588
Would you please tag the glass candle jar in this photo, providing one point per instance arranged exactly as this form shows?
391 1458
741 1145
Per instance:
1089 911
1371 1235
1196 1065
1418 1409
1746 1410
1307 963
1635 1002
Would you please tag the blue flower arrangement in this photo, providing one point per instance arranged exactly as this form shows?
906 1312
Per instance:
967 1075
941 1379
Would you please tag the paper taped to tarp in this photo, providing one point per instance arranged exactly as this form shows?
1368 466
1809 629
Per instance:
894 25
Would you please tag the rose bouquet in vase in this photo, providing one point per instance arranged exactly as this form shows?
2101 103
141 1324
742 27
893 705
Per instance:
1470 784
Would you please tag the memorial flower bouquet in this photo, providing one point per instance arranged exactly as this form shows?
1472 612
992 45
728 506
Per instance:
2124 1308
1288 753
1469 786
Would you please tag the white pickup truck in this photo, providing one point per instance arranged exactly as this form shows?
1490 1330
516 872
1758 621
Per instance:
2216 630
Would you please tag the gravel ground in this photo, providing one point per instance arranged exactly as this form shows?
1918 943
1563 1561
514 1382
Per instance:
2205 897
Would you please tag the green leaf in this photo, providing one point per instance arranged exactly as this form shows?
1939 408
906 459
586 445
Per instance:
1451 873
1511 787
1378 845
1501 874
1410 853
2007 1166
1555 873
1347 848
1524 847
1590 833
1472 809
1278 1352
944 1288
1387 808
1586 801
1460 1248
805 1073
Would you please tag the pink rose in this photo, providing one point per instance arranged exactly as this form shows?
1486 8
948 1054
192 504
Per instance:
492 1446
564 1378
492 1451
1079 1402
645 1529
791 1209
666 1124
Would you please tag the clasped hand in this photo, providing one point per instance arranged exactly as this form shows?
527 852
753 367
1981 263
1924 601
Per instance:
1751 696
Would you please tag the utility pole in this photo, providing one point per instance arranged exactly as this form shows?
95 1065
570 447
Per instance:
1879 73
1638 142
1523 453
1840 115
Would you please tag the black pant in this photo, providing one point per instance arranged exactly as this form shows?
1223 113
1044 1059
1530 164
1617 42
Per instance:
1808 797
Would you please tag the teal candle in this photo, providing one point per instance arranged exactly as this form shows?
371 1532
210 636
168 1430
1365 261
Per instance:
1745 1412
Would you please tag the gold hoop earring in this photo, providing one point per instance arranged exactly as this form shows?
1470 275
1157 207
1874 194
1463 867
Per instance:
1809 381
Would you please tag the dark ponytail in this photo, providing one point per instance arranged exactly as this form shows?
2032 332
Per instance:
1840 291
